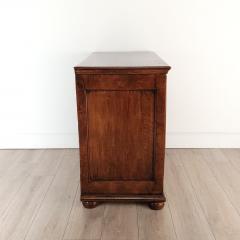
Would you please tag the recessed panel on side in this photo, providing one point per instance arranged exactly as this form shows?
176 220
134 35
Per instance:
120 135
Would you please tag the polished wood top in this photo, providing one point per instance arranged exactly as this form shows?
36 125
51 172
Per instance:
111 60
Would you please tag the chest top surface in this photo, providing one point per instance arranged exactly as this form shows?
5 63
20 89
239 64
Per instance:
111 60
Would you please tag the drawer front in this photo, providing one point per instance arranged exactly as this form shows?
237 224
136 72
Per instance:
116 82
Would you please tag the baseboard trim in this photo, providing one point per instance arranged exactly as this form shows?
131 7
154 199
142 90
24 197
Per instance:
203 140
39 140
70 140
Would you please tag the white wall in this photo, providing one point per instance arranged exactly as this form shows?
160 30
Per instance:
41 41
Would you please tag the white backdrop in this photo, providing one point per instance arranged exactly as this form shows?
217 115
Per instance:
41 41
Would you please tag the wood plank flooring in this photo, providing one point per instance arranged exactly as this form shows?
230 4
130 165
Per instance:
39 199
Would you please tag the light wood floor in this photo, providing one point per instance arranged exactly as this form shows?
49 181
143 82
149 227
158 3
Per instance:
39 199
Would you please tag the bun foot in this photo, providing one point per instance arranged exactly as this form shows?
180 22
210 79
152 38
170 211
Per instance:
156 205
90 204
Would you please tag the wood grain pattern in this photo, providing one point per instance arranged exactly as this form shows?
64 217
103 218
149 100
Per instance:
120 82
120 222
83 135
188 218
233 156
20 166
52 217
213 200
8 158
113 60
226 175
120 71
155 225
84 224
122 115
23 208
120 135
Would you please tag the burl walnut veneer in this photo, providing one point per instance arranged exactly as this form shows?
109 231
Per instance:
121 104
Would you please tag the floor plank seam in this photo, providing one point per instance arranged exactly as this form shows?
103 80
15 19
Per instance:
221 187
78 186
232 165
14 197
199 203
174 228
103 222
137 209
82 239
40 205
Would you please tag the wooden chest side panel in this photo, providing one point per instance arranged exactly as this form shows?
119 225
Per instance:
120 135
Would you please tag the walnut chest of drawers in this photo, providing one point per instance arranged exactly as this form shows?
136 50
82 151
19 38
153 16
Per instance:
121 105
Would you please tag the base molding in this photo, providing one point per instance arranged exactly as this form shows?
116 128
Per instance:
124 198
155 202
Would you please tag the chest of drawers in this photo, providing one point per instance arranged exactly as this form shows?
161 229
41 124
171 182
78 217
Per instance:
121 105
